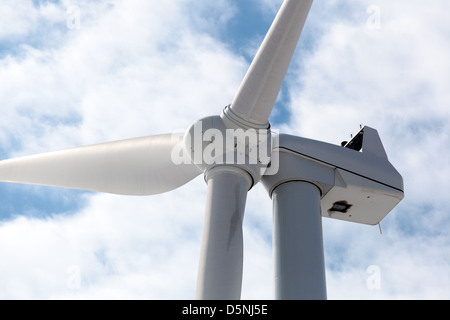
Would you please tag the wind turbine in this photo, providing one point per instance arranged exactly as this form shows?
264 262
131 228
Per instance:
306 179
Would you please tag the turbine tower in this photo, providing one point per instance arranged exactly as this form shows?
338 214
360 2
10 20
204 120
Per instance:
306 179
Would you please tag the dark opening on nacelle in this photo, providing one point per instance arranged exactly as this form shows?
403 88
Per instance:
340 206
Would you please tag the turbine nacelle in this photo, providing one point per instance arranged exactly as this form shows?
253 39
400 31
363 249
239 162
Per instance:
357 182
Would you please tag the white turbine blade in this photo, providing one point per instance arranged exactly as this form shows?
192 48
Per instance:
259 90
142 166
221 257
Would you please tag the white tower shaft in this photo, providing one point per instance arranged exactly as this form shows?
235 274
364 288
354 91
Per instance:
298 242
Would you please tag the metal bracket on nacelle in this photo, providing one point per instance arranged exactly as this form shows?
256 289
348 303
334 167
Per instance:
357 181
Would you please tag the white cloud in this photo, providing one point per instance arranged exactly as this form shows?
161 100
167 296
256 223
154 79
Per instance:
122 251
22 18
138 68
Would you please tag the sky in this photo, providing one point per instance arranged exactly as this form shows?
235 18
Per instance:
76 73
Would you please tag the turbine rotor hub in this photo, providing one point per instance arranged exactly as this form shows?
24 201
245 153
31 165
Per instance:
223 141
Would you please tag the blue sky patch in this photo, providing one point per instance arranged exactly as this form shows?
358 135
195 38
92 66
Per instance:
38 202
